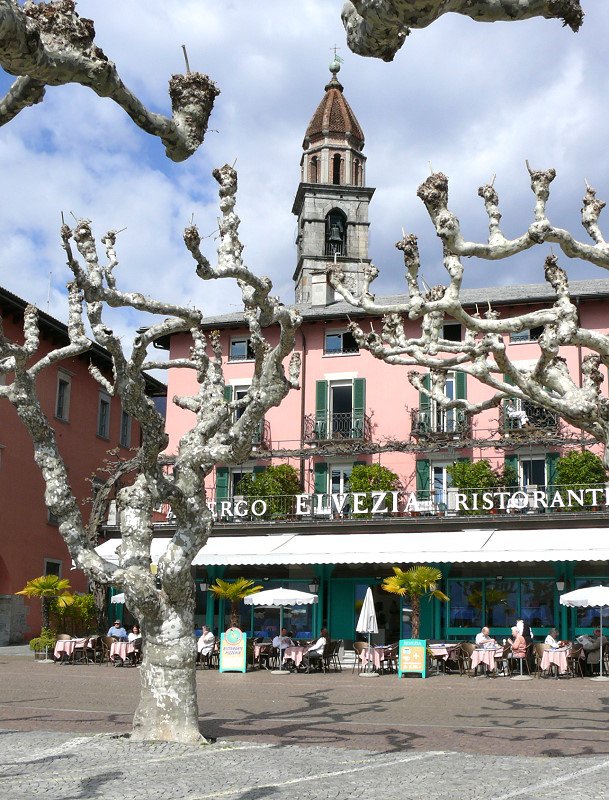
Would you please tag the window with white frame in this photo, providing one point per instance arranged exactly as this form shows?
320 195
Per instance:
441 481
62 397
532 470
125 437
443 419
236 475
241 349
339 343
528 335
239 392
103 416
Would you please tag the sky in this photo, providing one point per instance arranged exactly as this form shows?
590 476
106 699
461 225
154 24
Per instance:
471 99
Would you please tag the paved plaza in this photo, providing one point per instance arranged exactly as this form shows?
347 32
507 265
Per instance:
64 734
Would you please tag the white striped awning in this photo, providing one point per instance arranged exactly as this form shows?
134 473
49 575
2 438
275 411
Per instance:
464 546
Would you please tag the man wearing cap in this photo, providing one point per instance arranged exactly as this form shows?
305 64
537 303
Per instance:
118 631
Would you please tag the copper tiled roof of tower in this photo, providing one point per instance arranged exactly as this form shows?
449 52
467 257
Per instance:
334 115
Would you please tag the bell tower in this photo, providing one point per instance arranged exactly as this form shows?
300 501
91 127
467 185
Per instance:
332 199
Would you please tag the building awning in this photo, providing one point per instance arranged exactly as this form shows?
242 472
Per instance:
465 546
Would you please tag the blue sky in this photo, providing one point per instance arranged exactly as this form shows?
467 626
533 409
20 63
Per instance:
472 99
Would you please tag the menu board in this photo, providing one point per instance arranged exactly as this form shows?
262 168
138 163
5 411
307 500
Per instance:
412 657
233 651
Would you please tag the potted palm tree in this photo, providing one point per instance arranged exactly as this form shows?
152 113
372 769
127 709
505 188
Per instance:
415 583
48 588
234 591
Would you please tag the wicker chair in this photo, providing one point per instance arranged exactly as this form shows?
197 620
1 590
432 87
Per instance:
575 662
538 651
358 649
106 644
467 649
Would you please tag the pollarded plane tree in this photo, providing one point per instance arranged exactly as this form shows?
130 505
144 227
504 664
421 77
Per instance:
378 28
164 604
49 44
483 353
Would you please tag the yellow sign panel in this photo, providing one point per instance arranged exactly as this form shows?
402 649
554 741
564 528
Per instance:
412 657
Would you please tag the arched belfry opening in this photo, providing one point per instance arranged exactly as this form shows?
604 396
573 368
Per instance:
336 233
337 168
314 170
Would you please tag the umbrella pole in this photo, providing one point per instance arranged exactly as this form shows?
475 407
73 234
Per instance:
280 671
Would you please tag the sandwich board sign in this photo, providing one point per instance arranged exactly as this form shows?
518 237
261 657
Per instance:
412 657
233 651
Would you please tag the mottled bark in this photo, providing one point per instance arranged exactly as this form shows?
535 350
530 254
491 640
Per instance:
48 44
483 351
163 603
379 27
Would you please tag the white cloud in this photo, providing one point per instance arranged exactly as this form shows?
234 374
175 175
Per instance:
473 99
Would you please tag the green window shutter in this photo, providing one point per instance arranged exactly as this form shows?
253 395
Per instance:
258 470
512 461
359 407
460 385
551 459
359 463
321 478
422 475
321 409
222 475
228 393
424 406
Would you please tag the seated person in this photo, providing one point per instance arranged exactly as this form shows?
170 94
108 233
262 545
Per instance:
484 637
519 645
282 641
592 646
315 652
134 634
206 643
118 631
553 639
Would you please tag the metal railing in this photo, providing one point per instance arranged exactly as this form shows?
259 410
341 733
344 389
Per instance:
453 423
337 426
524 418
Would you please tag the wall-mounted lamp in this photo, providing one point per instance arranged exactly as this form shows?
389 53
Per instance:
203 586
314 585
499 578
560 584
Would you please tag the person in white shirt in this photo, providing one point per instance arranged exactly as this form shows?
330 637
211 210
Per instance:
134 633
206 642
316 651
552 639
484 637
281 641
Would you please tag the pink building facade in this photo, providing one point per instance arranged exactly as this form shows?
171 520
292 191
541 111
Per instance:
509 559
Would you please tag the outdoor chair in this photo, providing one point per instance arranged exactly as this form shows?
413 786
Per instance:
455 659
467 649
390 659
575 662
136 656
84 651
358 649
521 661
106 644
538 650
333 659
502 664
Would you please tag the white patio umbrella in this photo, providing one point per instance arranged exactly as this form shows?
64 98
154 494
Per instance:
367 624
280 597
118 598
590 597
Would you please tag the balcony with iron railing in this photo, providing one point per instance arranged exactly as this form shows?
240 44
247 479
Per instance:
262 435
441 424
337 427
523 419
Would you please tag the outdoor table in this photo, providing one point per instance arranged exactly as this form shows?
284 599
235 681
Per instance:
376 655
121 650
444 651
486 655
64 648
556 656
295 653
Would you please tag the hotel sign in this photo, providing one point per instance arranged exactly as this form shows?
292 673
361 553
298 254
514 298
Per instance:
354 504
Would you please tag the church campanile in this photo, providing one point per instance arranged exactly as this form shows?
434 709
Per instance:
332 199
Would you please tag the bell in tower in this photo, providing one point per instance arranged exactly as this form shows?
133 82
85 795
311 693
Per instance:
332 201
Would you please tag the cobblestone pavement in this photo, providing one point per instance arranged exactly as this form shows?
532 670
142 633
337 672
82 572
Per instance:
322 736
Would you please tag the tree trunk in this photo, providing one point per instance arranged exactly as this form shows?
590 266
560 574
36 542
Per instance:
45 603
168 709
100 595
415 601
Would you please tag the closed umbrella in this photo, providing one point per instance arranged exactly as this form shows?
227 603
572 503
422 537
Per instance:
280 597
367 624
590 597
